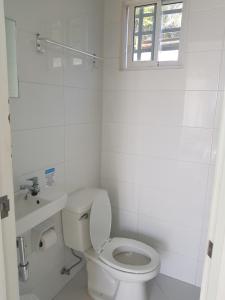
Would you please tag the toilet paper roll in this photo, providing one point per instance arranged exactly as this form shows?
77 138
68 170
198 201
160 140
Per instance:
48 239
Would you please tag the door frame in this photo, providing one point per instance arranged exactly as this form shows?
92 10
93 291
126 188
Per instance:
8 256
214 269
2 268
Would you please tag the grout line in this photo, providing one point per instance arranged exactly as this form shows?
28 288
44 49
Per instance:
60 85
155 220
54 126
160 158
155 125
65 137
187 52
131 90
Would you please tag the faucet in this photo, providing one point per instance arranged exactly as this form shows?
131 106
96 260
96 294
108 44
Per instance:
33 189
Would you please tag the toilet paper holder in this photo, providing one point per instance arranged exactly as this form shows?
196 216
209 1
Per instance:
37 233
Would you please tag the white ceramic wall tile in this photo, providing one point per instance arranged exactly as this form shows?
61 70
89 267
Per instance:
80 7
167 237
203 36
159 107
77 30
186 144
45 17
124 224
179 207
81 139
120 138
176 108
214 145
171 174
165 108
112 11
80 72
222 72
82 105
76 69
82 172
171 143
38 106
95 26
119 167
202 71
178 266
121 194
206 4
121 107
220 103
199 109
112 40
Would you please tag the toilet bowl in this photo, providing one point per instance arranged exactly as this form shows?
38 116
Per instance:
118 268
130 257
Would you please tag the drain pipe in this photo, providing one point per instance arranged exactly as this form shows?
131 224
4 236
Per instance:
67 271
23 261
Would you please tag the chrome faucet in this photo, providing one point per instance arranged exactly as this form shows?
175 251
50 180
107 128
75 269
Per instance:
33 189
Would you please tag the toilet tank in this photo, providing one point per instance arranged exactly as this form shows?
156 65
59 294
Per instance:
76 218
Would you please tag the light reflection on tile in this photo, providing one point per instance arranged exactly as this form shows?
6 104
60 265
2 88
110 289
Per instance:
161 288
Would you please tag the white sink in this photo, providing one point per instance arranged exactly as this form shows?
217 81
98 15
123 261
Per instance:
34 210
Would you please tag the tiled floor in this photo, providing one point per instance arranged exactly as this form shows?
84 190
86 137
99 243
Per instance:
162 288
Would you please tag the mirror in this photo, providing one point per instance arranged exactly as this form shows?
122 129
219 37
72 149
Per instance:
10 27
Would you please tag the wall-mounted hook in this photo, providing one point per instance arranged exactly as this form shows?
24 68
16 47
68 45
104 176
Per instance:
38 44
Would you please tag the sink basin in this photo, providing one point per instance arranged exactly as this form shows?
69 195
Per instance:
34 210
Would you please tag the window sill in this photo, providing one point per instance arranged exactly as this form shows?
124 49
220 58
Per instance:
163 66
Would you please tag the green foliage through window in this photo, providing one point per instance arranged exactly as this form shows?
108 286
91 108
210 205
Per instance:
145 31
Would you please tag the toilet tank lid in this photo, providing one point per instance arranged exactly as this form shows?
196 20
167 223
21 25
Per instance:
81 201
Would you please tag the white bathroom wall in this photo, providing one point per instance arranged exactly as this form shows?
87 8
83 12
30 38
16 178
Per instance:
159 128
159 140
56 120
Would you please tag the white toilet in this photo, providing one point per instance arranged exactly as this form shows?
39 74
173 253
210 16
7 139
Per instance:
118 268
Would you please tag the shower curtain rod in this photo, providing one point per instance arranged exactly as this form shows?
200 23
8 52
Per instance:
39 39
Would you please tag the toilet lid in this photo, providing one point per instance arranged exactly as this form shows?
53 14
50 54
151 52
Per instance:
100 221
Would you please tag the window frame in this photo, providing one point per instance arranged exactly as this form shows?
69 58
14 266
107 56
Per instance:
128 36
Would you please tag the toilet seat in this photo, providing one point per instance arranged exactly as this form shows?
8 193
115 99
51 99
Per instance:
121 254
107 256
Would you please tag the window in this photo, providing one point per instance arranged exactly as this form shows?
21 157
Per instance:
144 33
153 33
